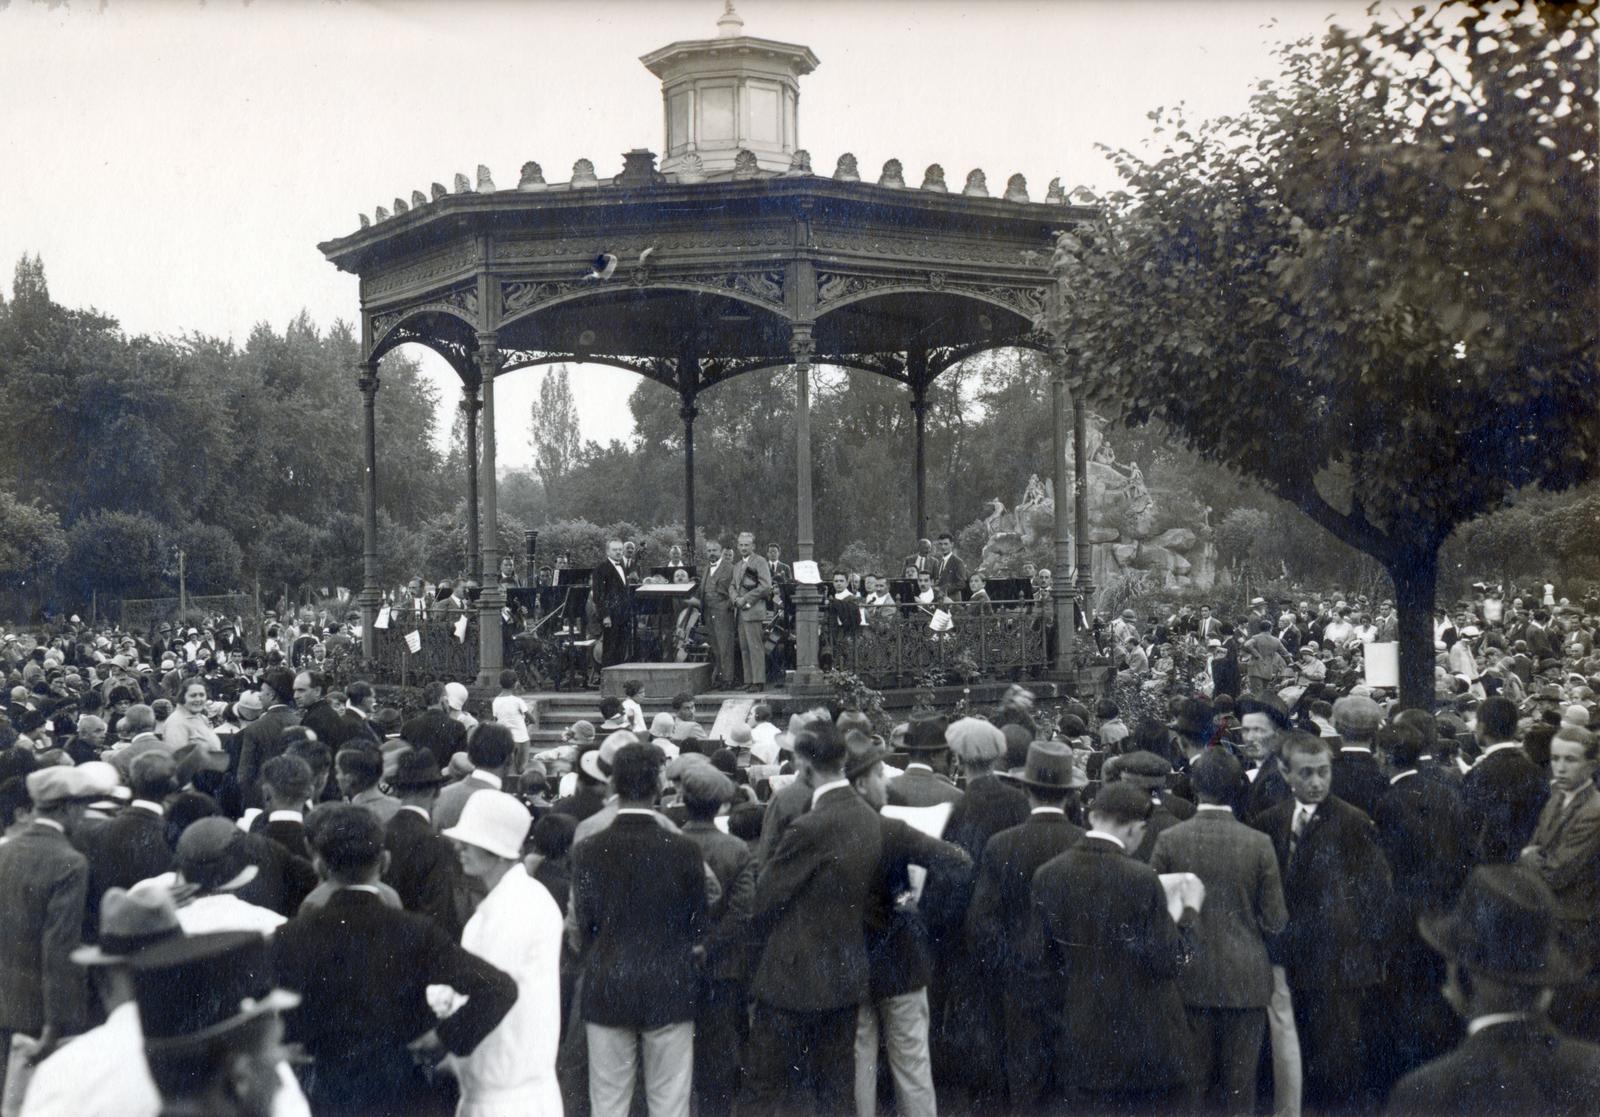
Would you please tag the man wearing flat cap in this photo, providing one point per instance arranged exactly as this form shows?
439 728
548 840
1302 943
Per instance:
1504 957
998 919
1357 779
925 783
1111 955
45 881
1149 773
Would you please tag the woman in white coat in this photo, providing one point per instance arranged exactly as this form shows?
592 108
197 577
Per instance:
516 928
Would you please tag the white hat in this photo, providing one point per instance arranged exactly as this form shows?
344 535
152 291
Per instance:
456 695
495 822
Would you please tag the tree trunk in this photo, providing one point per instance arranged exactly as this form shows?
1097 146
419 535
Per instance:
1415 576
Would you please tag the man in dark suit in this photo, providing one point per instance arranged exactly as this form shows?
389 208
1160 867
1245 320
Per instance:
752 590
925 783
434 729
813 972
1112 955
782 572
45 882
997 921
1505 791
897 1004
1150 773
316 712
1357 779
1228 984
422 866
613 604
286 786
1421 829
923 561
1337 887
362 970
1429 765
950 573
133 846
1504 957
262 739
719 609
638 908
1264 722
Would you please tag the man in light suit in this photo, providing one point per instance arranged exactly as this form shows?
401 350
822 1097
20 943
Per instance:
613 604
809 911
752 588
719 608
1227 986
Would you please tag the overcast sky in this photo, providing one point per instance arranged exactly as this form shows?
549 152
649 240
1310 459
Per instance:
176 164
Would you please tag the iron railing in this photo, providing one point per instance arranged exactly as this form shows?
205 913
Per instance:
910 645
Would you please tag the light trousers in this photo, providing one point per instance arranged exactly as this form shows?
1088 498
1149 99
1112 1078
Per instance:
753 650
904 1022
1287 1075
668 1069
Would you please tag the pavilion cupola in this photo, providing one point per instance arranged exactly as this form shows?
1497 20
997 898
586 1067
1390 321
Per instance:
729 93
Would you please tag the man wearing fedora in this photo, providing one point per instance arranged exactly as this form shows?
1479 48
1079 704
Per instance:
1228 983
517 928
926 782
45 881
1504 957
209 1014
362 970
422 865
103 1073
998 919
1110 957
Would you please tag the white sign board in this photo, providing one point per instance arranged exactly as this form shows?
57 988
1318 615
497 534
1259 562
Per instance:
1383 665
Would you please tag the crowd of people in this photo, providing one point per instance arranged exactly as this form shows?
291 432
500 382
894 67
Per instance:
230 889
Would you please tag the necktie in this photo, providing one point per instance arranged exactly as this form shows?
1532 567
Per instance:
1297 828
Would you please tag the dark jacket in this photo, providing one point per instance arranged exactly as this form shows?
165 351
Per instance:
639 909
436 731
1114 954
321 718
1243 906
585 800
287 832
256 744
810 907
362 970
1358 780
727 939
921 787
128 849
45 883
1503 795
989 806
998 918
283 880
1337 888
1515 1069
1422 830
897 947
423 868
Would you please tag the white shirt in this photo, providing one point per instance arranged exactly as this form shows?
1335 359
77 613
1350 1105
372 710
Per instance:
1307 811
827 787
512 712
1489 1020
1497 748
764 742
1396 778
517 928
1122 845
103 1073
1222 807
1047 810
223 911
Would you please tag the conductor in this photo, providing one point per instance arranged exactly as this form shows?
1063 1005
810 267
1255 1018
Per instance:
613 605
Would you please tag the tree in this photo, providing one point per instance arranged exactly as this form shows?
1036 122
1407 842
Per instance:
557 438
118 553
211 558
1374 291
32 543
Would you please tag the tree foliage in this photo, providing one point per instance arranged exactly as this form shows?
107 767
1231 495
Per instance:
1374 291
557 436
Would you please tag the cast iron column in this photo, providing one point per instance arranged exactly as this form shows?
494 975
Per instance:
371 594
1080 504
469 408
917 370
1061 590
687 411
807 596
492 596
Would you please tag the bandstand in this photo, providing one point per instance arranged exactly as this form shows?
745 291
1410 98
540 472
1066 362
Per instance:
733 255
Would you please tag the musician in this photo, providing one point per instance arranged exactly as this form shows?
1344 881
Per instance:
781 571
675 559
688 616
508 573
612 600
